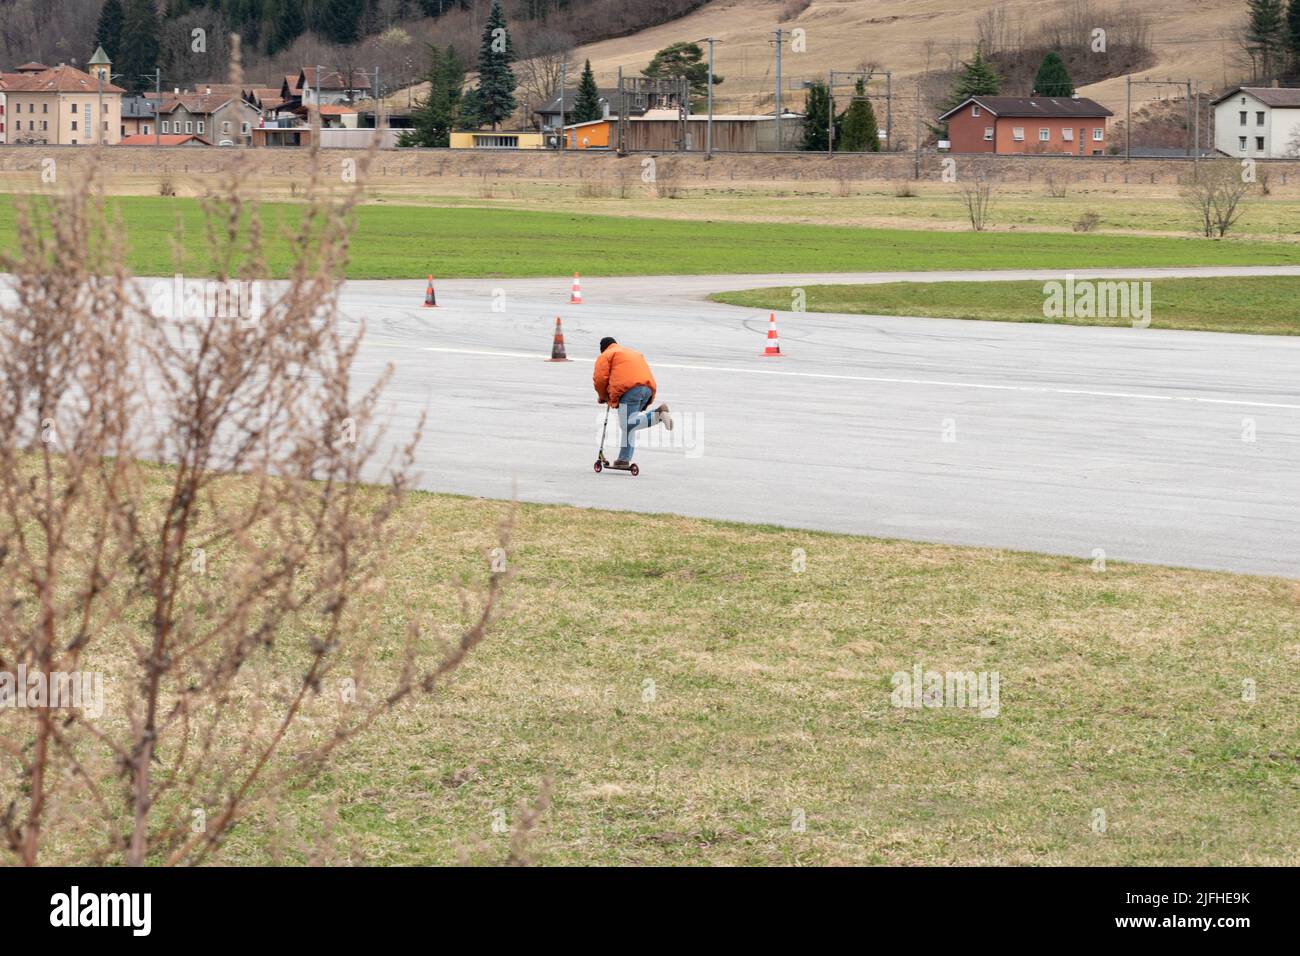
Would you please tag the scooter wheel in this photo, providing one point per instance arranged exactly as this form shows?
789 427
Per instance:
635 470
597 466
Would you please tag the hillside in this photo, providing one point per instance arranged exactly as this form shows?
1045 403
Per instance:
1189 38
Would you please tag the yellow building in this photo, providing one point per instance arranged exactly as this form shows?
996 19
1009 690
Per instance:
62 105
498 139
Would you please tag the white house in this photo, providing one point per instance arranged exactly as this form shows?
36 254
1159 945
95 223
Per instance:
1259 122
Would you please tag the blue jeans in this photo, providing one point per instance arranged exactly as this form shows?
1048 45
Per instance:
632 415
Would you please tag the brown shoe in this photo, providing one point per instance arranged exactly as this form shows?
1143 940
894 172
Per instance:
664 418
622 465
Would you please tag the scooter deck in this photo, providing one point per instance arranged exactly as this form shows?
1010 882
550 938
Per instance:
603 465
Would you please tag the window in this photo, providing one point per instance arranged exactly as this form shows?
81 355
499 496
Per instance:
1259 143
1242 114
1241 142
1098 135
1044 135
45 107
105 108
166 127
144 128
1067 134
200 129
245 128
225 126
1243 101
18 107
988 133
974 111
189 126
1259 118
74 126
1018 133
105 126
74 107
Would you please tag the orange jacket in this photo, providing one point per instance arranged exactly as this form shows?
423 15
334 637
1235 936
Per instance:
619 369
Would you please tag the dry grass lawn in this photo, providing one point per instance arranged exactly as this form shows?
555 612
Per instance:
690 695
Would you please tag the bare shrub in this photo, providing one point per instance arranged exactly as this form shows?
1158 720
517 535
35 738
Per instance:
1215 196
229 599
594 189
667 180
1087 222
976 193
166 184
905 189
1055 187
842 188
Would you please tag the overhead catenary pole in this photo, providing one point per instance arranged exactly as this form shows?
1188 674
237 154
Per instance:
830 114
564 135
157 105
916 161
1128 119
889 109
708 123
1196 131
780 34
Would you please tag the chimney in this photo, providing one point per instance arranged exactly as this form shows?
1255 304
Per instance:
176 90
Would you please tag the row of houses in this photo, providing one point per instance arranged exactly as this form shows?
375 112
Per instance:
1249 122
66 106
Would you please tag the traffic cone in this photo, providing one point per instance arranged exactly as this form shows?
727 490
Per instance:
557 346
430 300
575 296
773 343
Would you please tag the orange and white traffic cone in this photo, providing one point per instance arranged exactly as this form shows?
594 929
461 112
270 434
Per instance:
773 343
557 345
575 296
430 300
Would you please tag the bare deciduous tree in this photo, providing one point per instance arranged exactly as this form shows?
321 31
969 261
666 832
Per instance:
545 56
1216 194
221 598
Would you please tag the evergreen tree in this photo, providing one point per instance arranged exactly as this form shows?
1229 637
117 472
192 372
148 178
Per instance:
138 49
856 130
682 59
438 113
587 106
1052 78
1266 34
978 78
1293 34
495 93
340 20
284 24
817 113
108 33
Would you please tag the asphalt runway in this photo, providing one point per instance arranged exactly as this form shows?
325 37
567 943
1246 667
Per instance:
1179 448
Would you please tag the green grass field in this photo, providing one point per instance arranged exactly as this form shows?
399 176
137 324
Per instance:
406 242
1263 305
